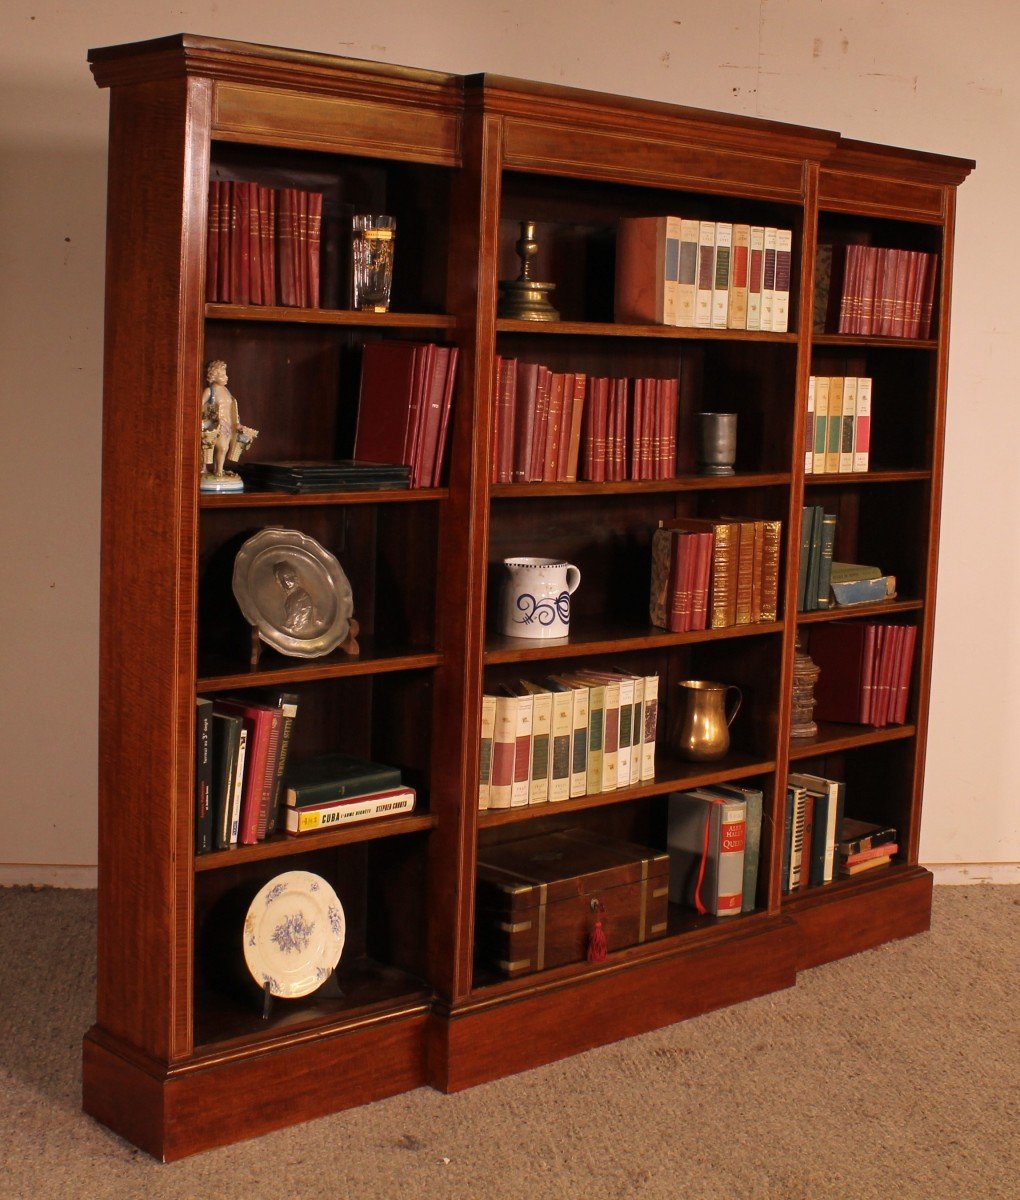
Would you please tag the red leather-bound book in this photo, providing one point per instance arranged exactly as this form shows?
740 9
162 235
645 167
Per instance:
637 420
838 652
886 658
314 241
451 378
263 724
267 204
429 417
254 243
240 246
497 376
622 423
543 397
868 672
505 405
391 378
672 416
682 584
525 411
931 270
550 460
702 575
285 234
576 423
566 417
228 217
906 669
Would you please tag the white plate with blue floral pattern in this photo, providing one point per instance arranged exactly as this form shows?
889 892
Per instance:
294 934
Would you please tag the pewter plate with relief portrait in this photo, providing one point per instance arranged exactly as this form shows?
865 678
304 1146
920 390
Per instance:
294 592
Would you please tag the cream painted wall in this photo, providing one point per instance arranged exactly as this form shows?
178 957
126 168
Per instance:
936 75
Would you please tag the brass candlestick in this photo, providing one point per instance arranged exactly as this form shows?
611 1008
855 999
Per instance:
805 676
524 298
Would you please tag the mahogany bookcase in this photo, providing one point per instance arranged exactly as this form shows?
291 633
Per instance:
174 1063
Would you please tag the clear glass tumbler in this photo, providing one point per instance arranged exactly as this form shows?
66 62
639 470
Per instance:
372 243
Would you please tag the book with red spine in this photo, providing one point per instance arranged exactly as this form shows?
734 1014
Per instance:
267 204
672 416
285 231
880 684
868 663
739 255
702 574
551 454
391 381
648 431
622 408
504 746
228 216
566 421
430 416
314 243
931 268
540 431
756 262
576 424
255 243
681 592
849 297
906 669
596 432
637 419
257 788
838 652
240 244
451 379
503 440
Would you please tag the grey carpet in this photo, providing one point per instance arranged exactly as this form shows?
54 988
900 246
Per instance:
891 1074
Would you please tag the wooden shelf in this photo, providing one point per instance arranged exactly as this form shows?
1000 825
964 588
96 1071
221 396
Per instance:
253 499
671 775
598 329
832 737
684 483
284 845
905 476
279 315
805 897
220 673
593 637
855 341
881 608
371 991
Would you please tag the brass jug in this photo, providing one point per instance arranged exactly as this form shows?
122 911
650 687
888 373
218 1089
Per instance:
702 730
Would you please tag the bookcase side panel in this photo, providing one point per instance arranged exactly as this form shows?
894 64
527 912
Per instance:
155 258
461 575
926 633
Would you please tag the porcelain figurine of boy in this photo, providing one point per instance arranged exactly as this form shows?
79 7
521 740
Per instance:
224 438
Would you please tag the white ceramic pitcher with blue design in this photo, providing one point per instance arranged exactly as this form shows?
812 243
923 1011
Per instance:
535 598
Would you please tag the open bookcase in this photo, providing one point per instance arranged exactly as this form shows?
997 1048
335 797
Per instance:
177 1064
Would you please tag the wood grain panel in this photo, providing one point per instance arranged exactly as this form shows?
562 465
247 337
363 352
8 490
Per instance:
486 1042
280 118
217 1102
882 197
574 150
860 916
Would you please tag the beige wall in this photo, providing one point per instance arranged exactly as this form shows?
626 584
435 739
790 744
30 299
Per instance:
936 76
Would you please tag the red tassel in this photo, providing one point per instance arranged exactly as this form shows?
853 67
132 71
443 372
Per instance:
597 940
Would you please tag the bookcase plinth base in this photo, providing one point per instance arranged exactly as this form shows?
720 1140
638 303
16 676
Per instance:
203 1103
487 1039
832 925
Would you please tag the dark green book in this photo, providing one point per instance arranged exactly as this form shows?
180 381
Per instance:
828 540
752 840
815 561
336 777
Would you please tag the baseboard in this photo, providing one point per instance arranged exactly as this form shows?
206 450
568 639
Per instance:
57 875
957 874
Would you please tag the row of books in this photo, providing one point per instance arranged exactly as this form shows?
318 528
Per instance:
241 749
817 539
820 843
404 406
865 671
837 434
714 573
262 245
883 291
703 274
576 734
714 839
550 425
341 789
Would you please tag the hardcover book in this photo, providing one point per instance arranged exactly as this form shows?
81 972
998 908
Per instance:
706 836
337 776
